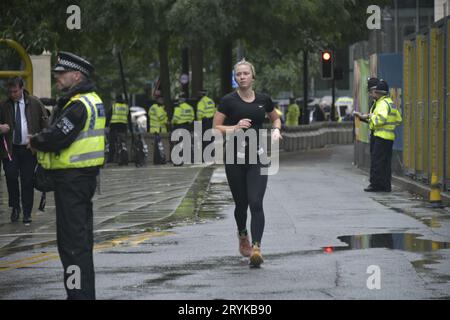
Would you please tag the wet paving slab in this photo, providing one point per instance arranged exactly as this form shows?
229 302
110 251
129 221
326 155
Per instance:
128 201
313 248
203 202
415 207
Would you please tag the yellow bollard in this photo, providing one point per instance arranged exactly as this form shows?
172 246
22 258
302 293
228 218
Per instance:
27 73
435 193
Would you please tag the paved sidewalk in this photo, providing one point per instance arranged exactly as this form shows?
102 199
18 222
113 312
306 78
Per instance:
129 200
322 238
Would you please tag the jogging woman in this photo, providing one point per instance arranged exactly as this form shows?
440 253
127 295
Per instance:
246 110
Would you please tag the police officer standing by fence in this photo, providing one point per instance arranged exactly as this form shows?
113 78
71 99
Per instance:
383 118
72 151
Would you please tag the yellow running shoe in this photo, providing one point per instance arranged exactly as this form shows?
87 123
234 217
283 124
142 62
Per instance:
256 258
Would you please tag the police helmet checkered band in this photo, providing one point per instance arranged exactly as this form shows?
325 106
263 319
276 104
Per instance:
72 65
70 62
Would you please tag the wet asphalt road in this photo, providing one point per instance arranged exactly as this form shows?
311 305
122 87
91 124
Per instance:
323 234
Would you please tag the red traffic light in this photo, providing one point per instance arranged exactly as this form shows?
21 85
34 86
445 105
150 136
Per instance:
327 64
326 56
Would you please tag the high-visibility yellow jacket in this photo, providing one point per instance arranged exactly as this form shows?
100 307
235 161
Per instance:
206 108
119 113
88 150
385 118
184 113
279 112
158 119
292 115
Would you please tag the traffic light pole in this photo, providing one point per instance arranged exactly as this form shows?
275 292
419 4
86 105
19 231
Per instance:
305 115
333 99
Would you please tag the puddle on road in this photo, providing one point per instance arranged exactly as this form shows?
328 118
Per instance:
397 241
409 242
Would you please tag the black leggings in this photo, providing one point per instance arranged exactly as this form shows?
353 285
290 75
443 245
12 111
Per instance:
248 187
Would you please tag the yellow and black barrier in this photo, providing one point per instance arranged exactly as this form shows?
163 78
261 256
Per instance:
426 101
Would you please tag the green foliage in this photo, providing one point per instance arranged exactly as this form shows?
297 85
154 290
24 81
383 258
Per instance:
272 32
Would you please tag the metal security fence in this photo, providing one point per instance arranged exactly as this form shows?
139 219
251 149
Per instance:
426 103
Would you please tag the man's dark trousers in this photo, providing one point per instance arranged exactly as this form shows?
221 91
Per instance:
74 190
21 166
380 163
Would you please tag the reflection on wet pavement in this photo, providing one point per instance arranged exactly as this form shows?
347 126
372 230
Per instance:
416 208
132 201
397 241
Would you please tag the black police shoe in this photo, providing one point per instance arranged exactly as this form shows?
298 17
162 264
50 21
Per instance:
15 214
372 189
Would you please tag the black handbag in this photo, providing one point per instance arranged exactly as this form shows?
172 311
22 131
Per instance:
42 181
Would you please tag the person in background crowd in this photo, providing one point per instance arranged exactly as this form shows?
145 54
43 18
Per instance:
117 121
293 113
21 115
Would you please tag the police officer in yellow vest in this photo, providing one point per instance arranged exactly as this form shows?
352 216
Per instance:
158 117
117 121
382 122
183 116
206 108
72 150
293 113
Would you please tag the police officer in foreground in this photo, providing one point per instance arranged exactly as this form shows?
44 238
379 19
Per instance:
72 151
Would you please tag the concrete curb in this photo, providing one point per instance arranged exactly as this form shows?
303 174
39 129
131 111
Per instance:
414 187
419 188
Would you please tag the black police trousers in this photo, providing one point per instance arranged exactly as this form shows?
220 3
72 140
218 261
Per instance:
380 163
74 189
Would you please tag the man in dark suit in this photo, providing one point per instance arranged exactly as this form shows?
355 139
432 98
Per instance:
21 115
